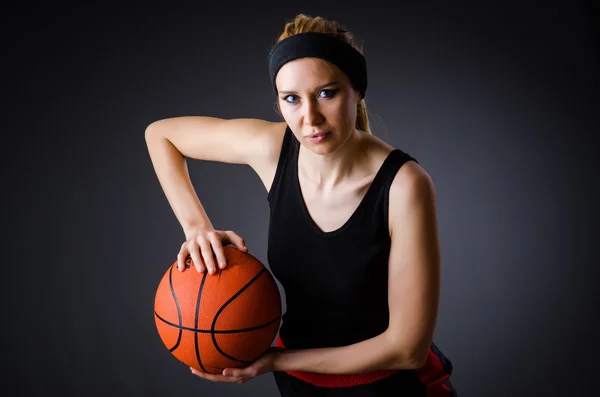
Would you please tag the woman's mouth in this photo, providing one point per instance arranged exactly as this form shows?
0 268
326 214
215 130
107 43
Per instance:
319 137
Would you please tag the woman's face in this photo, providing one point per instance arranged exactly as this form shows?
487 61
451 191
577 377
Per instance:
315 97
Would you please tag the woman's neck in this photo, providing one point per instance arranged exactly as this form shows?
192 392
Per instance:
330 170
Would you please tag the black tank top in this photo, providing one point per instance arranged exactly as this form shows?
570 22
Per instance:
335 282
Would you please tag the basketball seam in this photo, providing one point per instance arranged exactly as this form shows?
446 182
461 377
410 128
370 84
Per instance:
178 310
198 300
216 344
224 331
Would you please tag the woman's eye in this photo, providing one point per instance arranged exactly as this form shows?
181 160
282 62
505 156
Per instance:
328 93
291 98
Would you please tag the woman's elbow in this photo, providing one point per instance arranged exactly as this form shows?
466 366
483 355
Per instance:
407 358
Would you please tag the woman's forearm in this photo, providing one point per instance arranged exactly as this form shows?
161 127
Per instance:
171 169
378 353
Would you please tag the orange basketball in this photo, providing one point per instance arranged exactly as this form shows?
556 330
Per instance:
224 320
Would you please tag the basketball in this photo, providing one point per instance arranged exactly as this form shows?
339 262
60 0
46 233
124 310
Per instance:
225 320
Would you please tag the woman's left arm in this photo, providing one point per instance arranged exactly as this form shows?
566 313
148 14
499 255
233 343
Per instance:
413 290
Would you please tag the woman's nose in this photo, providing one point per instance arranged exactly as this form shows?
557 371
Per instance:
312 114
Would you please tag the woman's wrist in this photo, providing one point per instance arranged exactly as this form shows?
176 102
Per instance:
276 362
191 227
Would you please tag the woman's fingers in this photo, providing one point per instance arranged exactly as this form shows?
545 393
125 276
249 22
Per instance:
181 256
217 247
206 250
236 240
217 377
194 250
207 255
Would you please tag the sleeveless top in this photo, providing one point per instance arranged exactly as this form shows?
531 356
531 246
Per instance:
336 282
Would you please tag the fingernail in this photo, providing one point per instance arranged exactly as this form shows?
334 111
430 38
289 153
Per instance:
222 265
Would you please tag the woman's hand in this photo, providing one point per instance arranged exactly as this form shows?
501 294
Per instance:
202 245
263 364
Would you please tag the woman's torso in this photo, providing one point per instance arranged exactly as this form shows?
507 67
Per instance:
330 253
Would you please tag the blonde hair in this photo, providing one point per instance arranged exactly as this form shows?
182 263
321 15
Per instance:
304 23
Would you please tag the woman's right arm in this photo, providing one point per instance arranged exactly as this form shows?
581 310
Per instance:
235 141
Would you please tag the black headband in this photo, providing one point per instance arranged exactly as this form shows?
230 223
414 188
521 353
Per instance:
324 46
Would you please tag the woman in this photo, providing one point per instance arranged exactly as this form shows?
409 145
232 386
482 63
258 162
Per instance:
352 233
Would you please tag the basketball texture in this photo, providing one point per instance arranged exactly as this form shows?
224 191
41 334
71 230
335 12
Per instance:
225 320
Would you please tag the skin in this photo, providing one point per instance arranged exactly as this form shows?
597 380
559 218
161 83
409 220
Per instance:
334 176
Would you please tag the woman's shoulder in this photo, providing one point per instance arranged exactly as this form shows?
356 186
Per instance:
272 135
410 188
410 176
270 139
261 141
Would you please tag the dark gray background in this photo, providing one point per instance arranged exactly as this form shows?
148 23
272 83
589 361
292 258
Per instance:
499 102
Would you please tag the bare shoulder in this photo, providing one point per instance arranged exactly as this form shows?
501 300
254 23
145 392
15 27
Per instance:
269 142
411 178
412 191
270 138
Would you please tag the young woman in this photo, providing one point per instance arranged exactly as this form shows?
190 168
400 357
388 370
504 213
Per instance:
353 231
